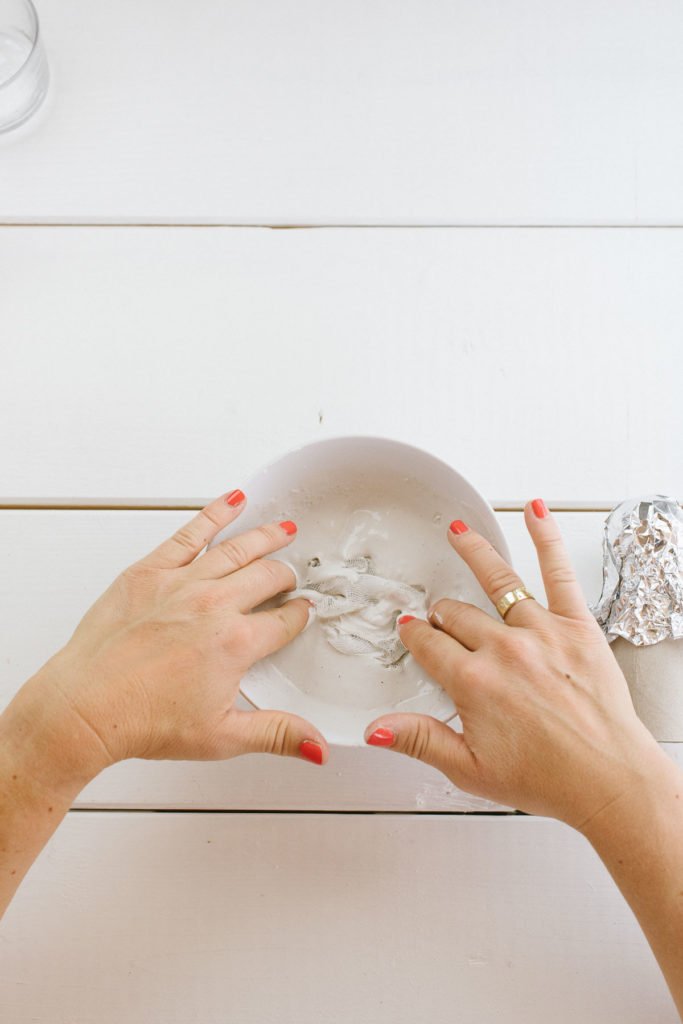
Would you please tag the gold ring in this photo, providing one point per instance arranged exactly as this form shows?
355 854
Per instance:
512 597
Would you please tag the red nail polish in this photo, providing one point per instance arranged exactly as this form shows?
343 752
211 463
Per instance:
235 498
288 526
381 738
402 619
311 751
539 507
457 526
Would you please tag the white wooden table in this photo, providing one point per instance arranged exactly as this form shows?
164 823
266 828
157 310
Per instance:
487 263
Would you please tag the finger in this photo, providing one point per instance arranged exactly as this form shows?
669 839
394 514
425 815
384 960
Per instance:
425 739
276 732
466 623
439 654
277 627
186 543
257 582
236 552
562 588
494 574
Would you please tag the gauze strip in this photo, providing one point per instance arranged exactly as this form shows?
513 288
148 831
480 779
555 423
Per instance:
357 609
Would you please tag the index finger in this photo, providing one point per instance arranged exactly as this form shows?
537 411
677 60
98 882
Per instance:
277 627
186 543
237 552
441 655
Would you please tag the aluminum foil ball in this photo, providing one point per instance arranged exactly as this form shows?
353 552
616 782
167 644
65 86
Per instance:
642 591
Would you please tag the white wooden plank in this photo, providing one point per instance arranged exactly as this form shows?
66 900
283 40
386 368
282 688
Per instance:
56 563
189 918
296 111
143 363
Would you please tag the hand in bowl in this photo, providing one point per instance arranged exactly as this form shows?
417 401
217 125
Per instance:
153 669
548 723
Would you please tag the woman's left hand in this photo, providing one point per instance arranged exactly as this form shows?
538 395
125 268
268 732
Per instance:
548 725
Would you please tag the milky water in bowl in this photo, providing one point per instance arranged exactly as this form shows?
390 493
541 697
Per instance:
401 527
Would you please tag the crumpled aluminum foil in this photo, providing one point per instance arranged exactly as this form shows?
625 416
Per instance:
642 589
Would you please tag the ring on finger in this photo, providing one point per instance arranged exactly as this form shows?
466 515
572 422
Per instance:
506 602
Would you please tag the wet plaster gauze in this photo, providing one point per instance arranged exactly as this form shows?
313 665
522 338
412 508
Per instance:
357 609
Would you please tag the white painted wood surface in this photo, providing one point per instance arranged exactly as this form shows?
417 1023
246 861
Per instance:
295 919
161 366
55 565
152 363
301 111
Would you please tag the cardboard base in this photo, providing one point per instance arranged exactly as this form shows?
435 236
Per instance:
655 679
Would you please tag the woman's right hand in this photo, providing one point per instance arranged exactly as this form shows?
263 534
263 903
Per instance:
548 722
153 669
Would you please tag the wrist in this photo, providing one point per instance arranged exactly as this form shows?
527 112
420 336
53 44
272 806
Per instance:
46 744
656 781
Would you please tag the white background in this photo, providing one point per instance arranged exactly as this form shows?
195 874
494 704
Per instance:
484 258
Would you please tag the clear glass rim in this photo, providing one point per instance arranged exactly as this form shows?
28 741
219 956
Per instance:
36 33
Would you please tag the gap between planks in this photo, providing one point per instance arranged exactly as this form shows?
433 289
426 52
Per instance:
460 226
117 808
93 505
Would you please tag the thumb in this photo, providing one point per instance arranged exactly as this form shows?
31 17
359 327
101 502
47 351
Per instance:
277 732
425 739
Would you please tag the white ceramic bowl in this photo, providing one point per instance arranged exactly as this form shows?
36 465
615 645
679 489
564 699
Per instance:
398 500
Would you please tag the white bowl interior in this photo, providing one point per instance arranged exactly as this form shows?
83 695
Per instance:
398 501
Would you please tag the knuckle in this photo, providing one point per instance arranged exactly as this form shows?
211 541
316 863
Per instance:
582 633
500 578
139 578
266 571
470 671
276 740
276 573
475 544
447 609
269 535
455 611
239 632
560 574
417 742
207 600
186 537
211 518
234 552
286 625
516 645
137 571
551 542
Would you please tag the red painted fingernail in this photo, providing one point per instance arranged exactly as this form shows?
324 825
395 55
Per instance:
457 526
381 738
288 526
235 498
402 619
311 751
540 508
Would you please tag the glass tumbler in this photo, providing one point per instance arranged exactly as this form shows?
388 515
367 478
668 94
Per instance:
24 73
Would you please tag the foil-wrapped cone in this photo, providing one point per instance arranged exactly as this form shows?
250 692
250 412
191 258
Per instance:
642 589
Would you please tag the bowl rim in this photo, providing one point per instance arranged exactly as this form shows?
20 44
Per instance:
502 546
321 441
